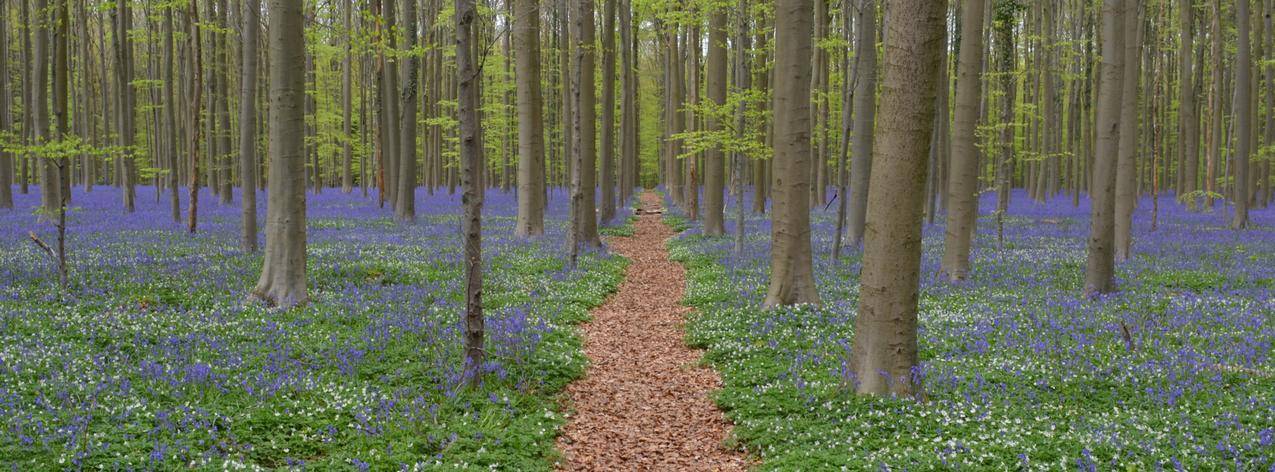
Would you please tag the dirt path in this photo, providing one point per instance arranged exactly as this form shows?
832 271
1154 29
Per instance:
643 403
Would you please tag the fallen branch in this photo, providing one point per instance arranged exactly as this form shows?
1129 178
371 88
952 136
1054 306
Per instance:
36 239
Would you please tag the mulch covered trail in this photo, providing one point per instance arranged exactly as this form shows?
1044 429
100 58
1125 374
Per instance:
644 403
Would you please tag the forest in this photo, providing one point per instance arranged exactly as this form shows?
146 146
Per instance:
596 235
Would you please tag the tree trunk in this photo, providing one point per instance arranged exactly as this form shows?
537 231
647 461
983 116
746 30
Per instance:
1100 268
607 211
283 278
40 100
194 42
743 82
531 146
583 211
792 279
1188 122
962 184
224 159
628 112
883 358
471 158
1006 59
1243 113
405 210
248 124
6 160
865 100
714 160
347 85
1126 164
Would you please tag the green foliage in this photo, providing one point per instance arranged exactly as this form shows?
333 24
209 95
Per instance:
728 137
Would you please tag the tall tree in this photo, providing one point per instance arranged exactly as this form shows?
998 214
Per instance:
283 279
248 124
607 155
883 355
6 160
1188 121
792 277
865 103
123 16
193 44
1243 109
1100 268
170 116
714 160
405 210
531 144
1126 164
347 85
39 114
628 103
584 219
962 184
471 159
222 102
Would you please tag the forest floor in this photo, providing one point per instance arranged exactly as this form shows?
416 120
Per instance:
644 402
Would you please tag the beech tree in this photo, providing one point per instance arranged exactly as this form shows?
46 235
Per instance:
6 160
865 103
283 279
405 210
1243 113
883 355
471 155
962 185
714 159
248 124
1100 267
531 148
1126 171
792 278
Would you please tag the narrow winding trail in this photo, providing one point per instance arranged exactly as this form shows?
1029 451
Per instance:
644 403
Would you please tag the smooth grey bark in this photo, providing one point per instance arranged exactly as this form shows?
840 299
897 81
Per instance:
1005 48
127 100
170 117
193 45
248 124
1188 120
583 208
1242 108
567 114
677 119
390 106
628 104
39 102
883 356
714 158
962 184
531 144
471 158
6 160
607 153
1100 265
61 167
743 82
225 159
283 278
1126 170
405 210
847 129
865 102
792 279
347 82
